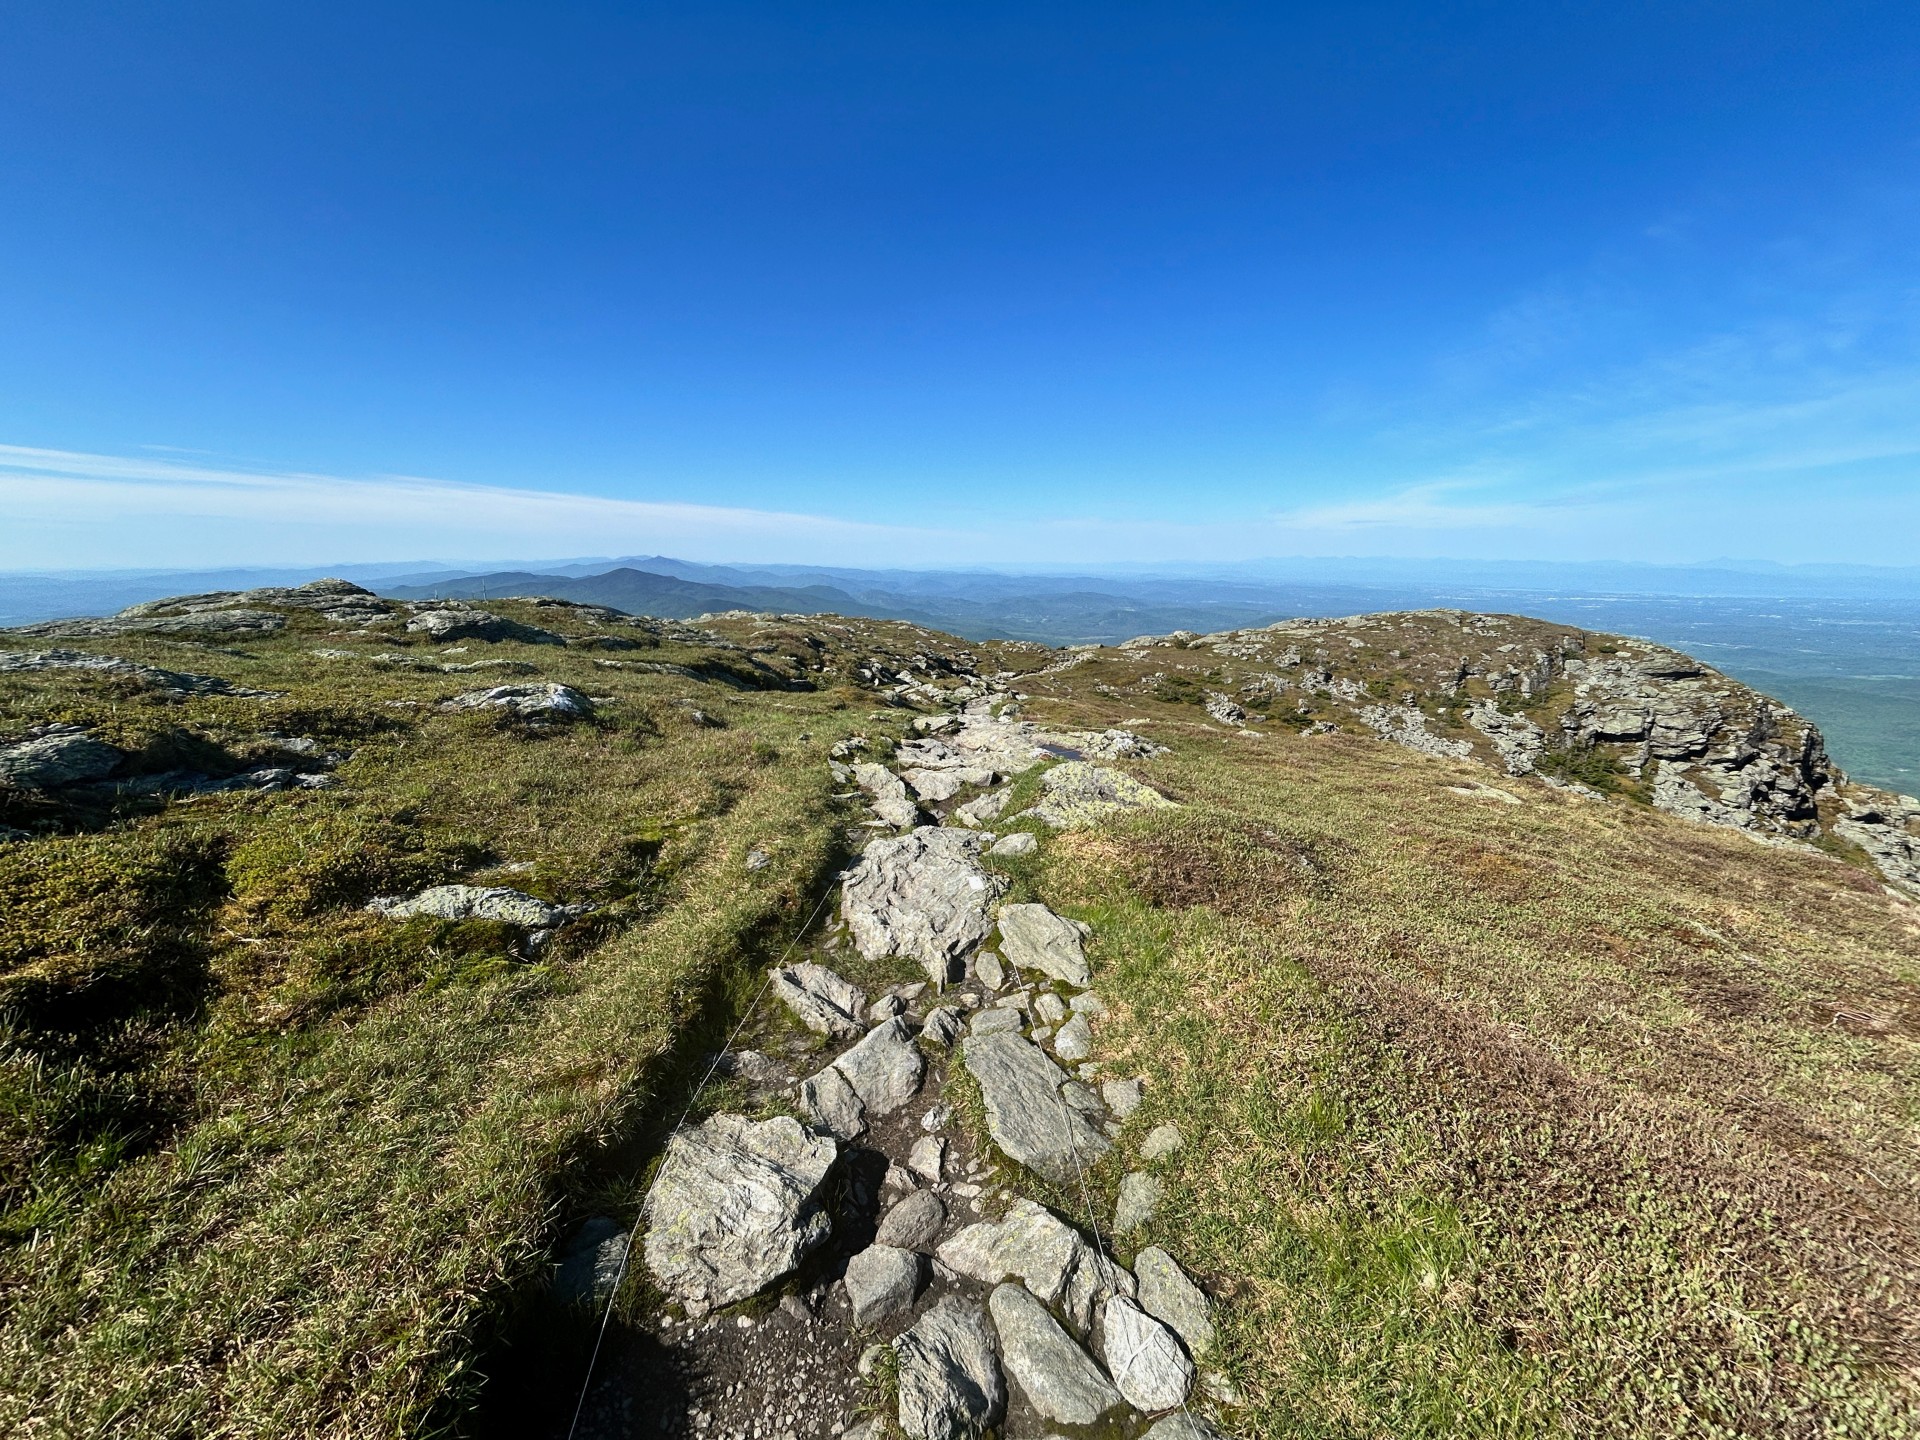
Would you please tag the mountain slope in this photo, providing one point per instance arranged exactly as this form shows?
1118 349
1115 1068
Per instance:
1510 1107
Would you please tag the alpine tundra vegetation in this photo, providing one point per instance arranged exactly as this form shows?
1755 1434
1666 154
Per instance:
1421 1024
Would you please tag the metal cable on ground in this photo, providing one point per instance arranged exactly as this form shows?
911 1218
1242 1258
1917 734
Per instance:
620 1275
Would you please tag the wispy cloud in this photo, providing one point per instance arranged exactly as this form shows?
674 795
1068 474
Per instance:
66 508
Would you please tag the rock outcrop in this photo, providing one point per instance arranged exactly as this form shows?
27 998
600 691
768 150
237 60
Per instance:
923 895
736 1206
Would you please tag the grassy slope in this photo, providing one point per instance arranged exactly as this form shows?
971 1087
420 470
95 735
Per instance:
365 1123
1556 1118
1551 1118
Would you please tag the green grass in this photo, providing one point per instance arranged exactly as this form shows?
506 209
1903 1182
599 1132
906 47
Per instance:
274 1165
1511 1121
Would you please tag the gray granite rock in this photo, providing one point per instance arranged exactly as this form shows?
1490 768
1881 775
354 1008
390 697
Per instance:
1079 792
982 809
1139 1197
885 1068
1122 1097
883 1281
830 1102
1034 938
950 1385
736 1206
914 1222
475 902
1148 1364
824 1002
987 966
1026 1115
1059 1379
996 1020
926 1157
1021 842
942 1025
1167 1294
888 793
547 701
455 621
1074 1040
922 895
62 755
1032 1244
1161 1142
1050 1007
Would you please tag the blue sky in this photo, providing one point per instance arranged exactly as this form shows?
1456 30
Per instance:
921 283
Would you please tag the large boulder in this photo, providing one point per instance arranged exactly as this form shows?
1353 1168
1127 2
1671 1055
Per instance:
950 1385
736 1206
1059 1379
1035 938
923 895
1078 792
464 622
1027 1114
1033 1245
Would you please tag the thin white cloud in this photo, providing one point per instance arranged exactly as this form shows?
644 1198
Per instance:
66 508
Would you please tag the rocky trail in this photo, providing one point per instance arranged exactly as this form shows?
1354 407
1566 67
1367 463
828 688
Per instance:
922 1286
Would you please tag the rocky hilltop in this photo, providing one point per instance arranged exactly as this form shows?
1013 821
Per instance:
1341 1026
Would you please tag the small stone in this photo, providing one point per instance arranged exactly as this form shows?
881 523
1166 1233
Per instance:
987 966
885 1008
869 1359
1161 1142
474 902
883 1280
1050 1008
1139 1196
926 1157
936 1118
590 1267
758 860
1074 1041
1041 1034
1148 1364
942 1025
914 1223
795 1309
1019 843
1122 1097
830 1102
1089 1004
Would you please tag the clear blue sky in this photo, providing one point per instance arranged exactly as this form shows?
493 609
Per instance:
922 282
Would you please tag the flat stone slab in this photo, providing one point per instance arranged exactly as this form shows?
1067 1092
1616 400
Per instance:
1139 1197
547 702
1033 1245
825 1003
950 1385
1148 1363
64 757
736 1206
922 895
888 792
1078 792
1167 1294
476 902
1059 1379
1026 1113
1034 938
